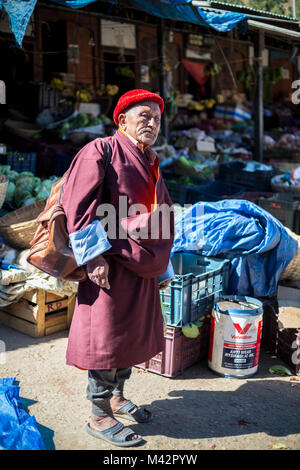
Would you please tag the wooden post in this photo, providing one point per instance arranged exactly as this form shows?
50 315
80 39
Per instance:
259 98
162 76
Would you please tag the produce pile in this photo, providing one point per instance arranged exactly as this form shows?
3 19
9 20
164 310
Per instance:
25 188
287 182
82 120
285 142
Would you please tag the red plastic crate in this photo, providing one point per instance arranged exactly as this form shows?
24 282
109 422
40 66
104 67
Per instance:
179 351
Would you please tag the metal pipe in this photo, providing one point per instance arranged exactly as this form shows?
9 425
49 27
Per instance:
162 75
259 98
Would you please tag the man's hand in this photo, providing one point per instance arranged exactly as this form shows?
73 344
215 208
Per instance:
163 285
97 271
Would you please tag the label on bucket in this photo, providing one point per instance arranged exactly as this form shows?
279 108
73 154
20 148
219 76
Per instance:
235 344
237 355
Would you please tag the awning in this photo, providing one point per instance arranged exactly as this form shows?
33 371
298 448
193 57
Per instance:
274 30
19 12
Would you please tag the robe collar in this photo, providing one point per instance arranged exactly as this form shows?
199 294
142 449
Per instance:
148 152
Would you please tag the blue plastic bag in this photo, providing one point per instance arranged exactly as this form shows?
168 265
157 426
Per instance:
256 243
18 430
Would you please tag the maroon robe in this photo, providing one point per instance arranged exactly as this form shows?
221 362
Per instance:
121 326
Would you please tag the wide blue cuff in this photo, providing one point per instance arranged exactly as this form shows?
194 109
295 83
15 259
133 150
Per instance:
89 242
169 274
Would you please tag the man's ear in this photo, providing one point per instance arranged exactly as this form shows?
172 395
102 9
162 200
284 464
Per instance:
122 121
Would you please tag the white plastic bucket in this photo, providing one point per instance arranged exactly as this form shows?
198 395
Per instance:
236 327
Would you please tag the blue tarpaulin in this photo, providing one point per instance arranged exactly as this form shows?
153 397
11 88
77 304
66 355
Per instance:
219 20
18 430
19 13
256 243
74 3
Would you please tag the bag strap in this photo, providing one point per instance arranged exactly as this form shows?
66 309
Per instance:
107 155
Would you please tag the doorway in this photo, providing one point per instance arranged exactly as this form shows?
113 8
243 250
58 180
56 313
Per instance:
119 70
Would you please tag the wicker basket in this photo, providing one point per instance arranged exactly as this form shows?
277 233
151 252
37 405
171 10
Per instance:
292 272
3 189
78 138
22 128
17 228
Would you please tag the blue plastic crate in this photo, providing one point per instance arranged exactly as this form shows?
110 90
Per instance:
190 294
214 191
21 161
233 172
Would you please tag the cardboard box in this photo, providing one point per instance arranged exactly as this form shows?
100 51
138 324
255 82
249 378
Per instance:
205 146
90 108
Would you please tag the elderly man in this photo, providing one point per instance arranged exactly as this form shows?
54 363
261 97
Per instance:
117 321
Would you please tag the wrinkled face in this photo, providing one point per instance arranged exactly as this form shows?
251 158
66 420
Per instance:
142 122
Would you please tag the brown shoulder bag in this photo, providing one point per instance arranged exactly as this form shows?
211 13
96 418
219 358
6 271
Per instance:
50 249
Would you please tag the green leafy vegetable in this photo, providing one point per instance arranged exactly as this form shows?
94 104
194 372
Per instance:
190 330
10 191
279 370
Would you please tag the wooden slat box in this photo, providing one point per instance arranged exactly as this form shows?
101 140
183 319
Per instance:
39 313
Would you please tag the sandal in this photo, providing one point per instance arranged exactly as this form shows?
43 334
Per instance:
109 435
137 416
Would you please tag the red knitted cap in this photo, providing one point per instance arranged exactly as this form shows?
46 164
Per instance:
136 96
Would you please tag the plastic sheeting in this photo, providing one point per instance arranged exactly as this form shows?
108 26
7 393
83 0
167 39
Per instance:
216 19
223 20
257 244
74 3
14 282
19 13
18 430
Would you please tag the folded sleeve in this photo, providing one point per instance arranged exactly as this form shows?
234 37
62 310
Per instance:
82 195
89 242
169 274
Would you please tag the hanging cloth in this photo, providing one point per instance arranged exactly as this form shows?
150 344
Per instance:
197 71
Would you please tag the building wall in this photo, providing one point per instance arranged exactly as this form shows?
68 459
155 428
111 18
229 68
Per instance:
74 28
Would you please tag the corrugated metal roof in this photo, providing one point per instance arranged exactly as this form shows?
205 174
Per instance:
240 7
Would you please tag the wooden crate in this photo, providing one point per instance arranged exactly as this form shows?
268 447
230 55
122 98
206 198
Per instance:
39 313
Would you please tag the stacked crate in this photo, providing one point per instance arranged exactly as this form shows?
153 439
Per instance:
285 207
189 298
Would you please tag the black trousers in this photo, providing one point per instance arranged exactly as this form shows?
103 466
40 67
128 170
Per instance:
102 385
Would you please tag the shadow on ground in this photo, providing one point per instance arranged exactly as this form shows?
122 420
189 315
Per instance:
46 433
14 339
260 406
